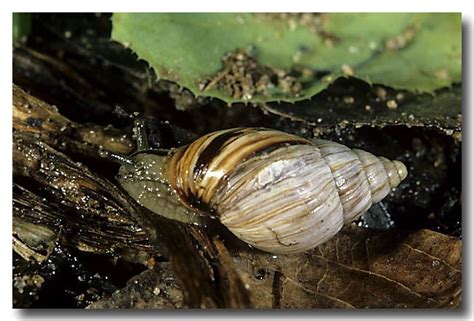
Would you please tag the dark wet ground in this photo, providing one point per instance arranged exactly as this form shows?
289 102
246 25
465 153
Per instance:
68 62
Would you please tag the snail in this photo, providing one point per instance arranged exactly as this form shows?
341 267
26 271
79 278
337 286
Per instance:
278 192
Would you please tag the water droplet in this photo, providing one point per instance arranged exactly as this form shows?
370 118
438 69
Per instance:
261 274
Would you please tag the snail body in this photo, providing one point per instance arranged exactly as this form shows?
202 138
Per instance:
278 192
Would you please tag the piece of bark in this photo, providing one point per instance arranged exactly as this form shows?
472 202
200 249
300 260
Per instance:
39 222
32 115
73 185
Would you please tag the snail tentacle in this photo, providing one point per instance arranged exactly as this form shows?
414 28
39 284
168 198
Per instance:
123 160
140 135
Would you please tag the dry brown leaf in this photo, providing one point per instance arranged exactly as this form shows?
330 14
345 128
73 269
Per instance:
360 269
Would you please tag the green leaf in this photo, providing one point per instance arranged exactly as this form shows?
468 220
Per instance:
21 25
413 51
432 59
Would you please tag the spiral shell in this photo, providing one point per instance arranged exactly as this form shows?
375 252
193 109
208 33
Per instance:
278 192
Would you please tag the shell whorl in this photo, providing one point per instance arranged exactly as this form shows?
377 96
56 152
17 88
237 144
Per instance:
361 177
197 170
276 191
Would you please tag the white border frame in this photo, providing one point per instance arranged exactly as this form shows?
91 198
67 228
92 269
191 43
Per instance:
466 313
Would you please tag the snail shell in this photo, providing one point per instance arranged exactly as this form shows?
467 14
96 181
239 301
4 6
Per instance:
278 192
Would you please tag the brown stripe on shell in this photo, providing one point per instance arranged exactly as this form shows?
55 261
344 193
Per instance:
244 147
194 152
181 167
196 174
178 167
213 148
